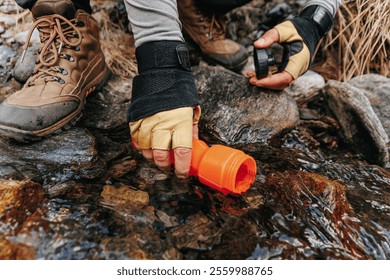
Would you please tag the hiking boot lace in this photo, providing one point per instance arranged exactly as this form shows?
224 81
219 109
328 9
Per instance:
57 33
215 28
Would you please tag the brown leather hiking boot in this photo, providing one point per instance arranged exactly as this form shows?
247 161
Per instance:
208 31
70 66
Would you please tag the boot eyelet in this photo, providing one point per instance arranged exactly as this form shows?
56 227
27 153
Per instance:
62 71
80 24
58 79
69 57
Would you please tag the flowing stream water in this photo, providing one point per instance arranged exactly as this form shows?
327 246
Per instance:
303 205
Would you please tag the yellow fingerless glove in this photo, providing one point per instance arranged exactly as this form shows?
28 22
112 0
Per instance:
298 53
166 130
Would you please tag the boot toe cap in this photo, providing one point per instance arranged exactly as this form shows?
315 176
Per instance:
35 118
233 61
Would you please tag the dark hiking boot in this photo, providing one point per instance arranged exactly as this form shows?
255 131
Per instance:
208 31
69 67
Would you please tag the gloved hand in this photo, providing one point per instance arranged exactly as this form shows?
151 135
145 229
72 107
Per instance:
161 114
300 38
156 135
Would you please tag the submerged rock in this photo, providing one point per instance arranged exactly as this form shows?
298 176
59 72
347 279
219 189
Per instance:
198 233
68 155
361 127
15 251
19 201
235 112
124 195
318 208
19 196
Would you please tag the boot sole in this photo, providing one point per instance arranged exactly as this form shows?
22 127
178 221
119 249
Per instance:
25 136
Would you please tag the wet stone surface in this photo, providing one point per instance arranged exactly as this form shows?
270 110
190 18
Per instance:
69 155
249 114
316 195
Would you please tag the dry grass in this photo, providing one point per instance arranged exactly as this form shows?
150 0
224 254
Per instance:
361 38
117 45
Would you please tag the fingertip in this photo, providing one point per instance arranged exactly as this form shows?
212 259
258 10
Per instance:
162 159
250 73
259 43
148 154
182 161
269 38
253 81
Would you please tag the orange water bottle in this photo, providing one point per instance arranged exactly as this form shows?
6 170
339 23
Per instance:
222 168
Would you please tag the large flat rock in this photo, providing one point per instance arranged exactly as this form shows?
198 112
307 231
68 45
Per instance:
361 127
68 155
377 89
235 112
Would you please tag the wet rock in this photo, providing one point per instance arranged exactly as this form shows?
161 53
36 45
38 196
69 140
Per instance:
377 89
106 109
69 155
168 221
198 233
253 198
361 127
5 54
121 167
19 200
62 188
172 254
23 70
306 87
239 240
124 195
108 148
15 251
306 206
135 246
235 112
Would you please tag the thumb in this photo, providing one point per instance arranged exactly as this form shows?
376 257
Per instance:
269 38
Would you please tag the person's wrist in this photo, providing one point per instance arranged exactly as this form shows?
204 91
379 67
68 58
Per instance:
165 81
319 16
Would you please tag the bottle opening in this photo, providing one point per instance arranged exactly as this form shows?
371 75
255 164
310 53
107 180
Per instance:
245 175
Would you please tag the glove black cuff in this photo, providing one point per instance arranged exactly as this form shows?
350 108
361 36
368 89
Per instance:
165 81
312 24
